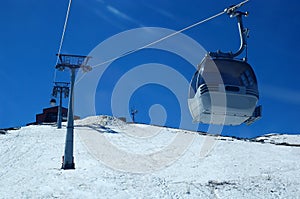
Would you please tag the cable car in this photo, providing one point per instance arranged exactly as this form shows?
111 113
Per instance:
224 89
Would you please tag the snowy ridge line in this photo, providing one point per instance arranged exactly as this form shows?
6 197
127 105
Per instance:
268 135
232 138
102 124
287 144
4 131
260 139
10 129
276 143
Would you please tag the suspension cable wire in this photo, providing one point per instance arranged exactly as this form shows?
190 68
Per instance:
172 34
167 37
159 40
62 37
152 43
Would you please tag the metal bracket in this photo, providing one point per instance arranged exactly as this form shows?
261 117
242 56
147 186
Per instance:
243 32
255 116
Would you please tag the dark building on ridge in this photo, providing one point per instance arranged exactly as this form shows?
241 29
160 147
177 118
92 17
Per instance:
49 115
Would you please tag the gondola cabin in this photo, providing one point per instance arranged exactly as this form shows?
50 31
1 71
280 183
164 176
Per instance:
224 89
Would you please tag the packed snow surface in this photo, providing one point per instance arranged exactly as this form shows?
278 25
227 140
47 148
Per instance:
114 159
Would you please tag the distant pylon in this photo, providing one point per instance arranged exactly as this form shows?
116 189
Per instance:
133 112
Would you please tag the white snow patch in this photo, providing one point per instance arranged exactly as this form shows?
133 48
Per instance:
280 139
30 160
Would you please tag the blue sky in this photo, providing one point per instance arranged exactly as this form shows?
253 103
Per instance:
30 33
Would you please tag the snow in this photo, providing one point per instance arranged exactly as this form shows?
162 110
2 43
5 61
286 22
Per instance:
280 139
149 163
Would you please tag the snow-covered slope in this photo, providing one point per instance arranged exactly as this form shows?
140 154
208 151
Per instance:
147 163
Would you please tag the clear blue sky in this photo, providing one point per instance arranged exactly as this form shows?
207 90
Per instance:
30 32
